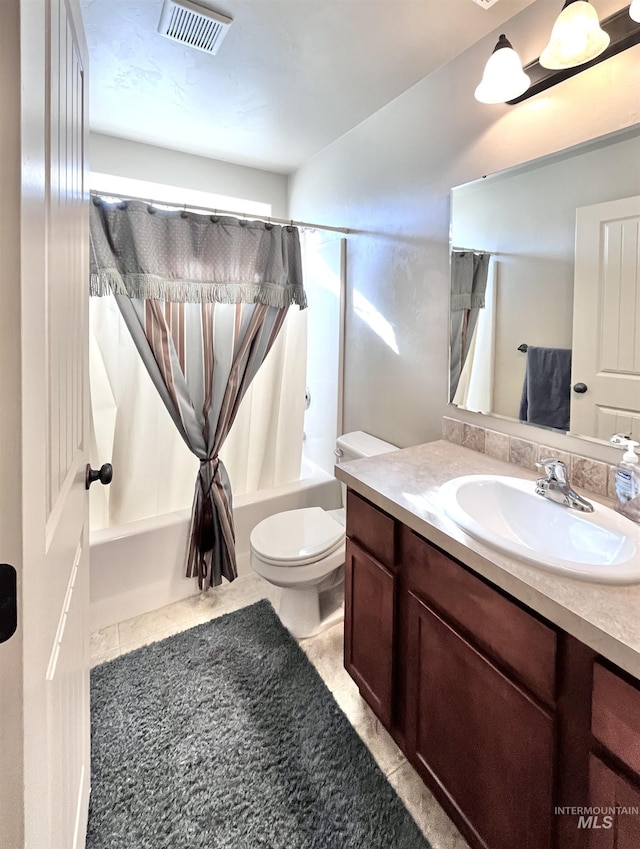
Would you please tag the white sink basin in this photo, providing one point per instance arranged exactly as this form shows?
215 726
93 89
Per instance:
506 514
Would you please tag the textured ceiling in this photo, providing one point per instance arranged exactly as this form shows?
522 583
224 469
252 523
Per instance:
291 75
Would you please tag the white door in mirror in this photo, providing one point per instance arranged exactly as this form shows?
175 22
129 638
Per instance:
606 323
506 514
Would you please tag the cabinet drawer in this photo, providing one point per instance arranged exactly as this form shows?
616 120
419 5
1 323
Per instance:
371 528
615 716
507 633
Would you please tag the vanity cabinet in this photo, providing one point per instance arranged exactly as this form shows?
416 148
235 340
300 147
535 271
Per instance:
505 717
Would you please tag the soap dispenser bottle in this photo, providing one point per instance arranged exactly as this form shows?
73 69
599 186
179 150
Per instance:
627 479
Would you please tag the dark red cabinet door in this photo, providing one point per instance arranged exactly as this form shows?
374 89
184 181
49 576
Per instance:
484 747
368 636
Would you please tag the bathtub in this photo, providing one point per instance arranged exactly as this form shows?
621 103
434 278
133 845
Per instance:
140 566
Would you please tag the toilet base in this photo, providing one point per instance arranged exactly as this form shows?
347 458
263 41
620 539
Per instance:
306 612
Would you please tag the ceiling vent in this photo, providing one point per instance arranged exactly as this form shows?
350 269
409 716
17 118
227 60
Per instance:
486 4
193 25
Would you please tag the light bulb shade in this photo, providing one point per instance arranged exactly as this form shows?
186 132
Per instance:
634 11
576 37
503 77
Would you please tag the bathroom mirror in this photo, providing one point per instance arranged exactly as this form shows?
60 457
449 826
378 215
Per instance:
527 272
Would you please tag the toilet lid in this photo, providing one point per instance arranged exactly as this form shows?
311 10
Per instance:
301 536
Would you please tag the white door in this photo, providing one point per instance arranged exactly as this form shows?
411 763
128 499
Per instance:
606 319
44 704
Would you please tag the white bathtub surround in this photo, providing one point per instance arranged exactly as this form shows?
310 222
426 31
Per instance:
139 567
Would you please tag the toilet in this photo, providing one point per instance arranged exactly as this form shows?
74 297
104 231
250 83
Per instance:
302 551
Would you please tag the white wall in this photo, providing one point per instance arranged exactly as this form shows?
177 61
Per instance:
123 158
389 181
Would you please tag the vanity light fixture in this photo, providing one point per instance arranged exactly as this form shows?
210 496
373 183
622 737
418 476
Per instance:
621 31
503 77
576 37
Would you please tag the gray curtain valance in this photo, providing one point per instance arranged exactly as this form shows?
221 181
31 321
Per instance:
183 257
469 271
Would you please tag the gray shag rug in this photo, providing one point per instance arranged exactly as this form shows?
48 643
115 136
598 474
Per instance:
225 737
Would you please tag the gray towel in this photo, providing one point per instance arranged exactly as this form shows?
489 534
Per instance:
546 393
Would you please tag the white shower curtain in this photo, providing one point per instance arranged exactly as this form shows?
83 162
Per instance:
153 468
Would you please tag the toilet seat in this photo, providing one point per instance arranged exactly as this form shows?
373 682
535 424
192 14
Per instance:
297 537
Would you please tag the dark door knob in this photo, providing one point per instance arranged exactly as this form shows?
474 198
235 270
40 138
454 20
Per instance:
580 388
103 474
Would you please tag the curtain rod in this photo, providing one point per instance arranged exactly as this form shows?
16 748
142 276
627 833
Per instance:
473 251
266 218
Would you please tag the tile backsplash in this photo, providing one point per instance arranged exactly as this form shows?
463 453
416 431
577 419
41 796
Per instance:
590 475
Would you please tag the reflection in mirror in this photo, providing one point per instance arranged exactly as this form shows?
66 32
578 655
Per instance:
545 297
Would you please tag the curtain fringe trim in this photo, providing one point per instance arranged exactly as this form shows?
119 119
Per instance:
467 302
149 287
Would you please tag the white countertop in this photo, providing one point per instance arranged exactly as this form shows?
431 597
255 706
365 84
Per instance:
405 484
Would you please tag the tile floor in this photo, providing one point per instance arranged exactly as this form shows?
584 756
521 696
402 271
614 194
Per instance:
325 652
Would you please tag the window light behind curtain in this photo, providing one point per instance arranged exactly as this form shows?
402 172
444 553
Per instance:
204 298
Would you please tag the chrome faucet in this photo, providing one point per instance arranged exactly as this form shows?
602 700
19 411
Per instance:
556 487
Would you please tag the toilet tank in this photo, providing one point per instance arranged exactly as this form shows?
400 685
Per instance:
357 444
